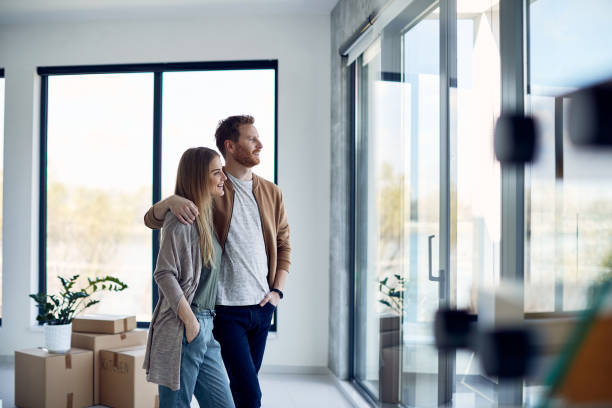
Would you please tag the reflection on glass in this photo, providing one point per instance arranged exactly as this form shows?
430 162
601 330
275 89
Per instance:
568 189
397 212
99 184
1 177
195 102
476 180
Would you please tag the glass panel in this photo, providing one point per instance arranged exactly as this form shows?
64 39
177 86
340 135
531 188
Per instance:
397 211
476 180
569 189
194 103
420 120
567 43
367 306
1 177
99 185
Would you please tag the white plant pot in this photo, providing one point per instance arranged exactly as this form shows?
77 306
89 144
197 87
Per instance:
57 337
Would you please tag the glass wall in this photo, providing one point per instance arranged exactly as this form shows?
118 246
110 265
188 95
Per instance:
402 194
568 188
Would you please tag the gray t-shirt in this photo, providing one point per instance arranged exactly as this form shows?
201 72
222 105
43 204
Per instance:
244 264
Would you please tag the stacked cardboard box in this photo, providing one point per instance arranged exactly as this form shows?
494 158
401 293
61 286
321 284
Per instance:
122 379
106 332
104 366
47 380
103 324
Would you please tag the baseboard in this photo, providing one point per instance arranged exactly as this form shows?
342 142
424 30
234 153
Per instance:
283 369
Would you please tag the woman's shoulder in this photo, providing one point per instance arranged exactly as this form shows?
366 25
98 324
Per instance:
173 225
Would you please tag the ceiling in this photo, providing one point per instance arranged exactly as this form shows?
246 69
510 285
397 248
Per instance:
25 11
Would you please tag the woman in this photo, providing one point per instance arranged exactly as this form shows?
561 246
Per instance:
182 355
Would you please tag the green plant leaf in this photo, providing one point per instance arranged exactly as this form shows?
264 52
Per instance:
384 302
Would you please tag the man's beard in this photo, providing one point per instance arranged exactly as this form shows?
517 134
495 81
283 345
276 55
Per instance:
246 158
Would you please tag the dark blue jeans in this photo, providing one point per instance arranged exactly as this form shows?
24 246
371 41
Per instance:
242 332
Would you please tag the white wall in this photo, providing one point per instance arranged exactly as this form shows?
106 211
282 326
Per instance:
301 45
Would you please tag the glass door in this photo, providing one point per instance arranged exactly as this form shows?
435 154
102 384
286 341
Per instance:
397 210
420 68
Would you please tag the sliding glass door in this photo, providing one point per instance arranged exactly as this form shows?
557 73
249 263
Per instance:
397 210
427 198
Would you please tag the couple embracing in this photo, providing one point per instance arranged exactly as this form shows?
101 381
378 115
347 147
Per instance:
223 260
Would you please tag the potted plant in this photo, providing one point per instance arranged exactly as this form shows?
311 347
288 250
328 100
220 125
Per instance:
57 311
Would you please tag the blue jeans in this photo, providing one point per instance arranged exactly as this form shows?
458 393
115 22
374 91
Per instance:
242 332
202 371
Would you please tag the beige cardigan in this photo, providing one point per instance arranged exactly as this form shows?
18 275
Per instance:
177 273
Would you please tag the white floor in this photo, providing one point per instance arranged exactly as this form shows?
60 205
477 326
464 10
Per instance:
279 390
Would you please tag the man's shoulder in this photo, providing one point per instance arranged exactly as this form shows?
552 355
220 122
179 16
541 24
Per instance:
268 185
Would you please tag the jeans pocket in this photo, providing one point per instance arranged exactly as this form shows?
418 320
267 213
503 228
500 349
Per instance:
195 338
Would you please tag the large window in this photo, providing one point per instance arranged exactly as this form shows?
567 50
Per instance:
194 102
112 138
568 189
1 175
99 161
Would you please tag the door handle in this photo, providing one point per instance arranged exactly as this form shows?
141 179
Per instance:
431 277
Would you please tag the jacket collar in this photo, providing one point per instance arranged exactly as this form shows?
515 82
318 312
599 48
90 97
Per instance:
231 186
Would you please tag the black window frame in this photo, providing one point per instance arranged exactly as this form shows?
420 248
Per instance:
157 69
2 113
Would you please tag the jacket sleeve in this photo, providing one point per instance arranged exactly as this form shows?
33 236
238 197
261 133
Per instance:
174 247
283 246
152 222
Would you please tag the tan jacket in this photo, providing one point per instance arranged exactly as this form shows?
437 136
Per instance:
177 274
273 221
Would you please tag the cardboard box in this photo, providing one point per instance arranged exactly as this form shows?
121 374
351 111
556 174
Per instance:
97 342
123 382
107 324
47 380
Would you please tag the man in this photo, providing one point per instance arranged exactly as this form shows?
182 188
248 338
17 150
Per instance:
252 229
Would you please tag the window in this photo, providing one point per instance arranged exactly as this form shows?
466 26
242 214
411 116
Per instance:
193 104
568 189
1 175
112 138
99 161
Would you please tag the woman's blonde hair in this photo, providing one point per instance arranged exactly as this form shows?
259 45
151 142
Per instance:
192 183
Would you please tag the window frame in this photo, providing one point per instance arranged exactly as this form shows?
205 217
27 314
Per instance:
2 152
157 69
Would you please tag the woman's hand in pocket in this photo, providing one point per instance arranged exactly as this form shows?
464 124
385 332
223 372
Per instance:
191 330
